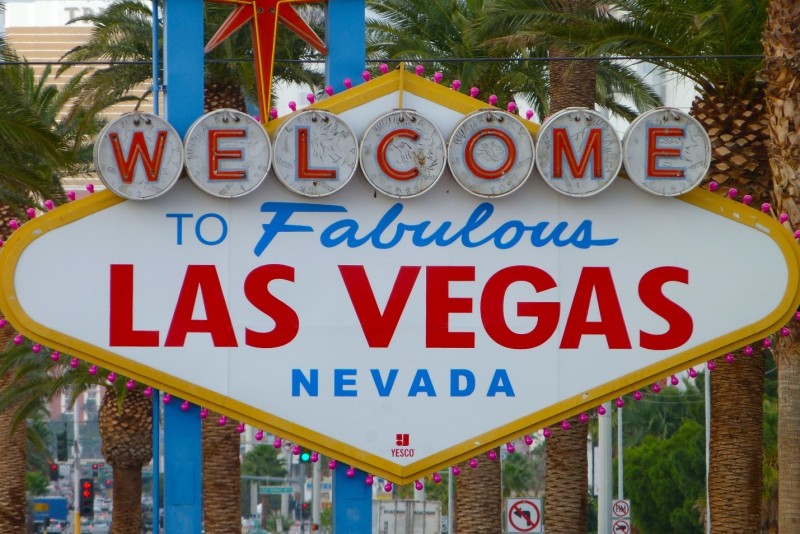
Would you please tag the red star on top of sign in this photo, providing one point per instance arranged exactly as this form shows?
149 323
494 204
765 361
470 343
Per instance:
263 16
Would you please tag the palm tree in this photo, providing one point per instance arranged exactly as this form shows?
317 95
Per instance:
458 37
782 74
44 134
479 499
682 36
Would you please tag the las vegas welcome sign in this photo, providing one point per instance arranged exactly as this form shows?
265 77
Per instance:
406 301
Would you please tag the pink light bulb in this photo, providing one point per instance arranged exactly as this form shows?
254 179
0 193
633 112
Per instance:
784 332
30 212
765 207
456 85
510 447
437 76
348 83
692 372
620 402
55 356
767 343
732 192
637 395
387 487
3 323
13 224
203 413
36 348
259 435
384 68
369 480
92 370
90 188
511 107
528 440
74 363
314 457
584 418
351 472
311 98
148 392
71 195
656 388
797 234
730 358
711 365
748 350
492 454
564 425
112 377
168 398
712 186
673 380
601 410
129 385
278 443
293 105
783 218
529 114
418 485
473 463
366 75
185 406
49 204
492 100
297 450
240 428
456 470
331 464
419 70
796 317
473 92
747 199
437 478
329 90
547 433
273 113
223 420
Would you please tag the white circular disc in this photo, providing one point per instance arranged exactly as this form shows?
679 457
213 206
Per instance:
227 153
402 154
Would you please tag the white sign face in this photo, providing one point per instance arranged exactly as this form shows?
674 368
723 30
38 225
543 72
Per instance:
139 156
621 508
524 515
666 152
578 152
400 336
621 526
227 153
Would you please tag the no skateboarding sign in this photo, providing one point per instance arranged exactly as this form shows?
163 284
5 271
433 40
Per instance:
524 515
621 526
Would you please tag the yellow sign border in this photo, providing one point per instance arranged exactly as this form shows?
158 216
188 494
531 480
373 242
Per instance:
401 81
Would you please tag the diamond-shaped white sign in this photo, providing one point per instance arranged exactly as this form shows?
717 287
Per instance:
400 335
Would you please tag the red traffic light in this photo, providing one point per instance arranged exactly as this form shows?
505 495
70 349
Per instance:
305 505
53 467
94 467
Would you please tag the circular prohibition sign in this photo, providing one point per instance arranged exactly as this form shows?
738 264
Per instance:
524 516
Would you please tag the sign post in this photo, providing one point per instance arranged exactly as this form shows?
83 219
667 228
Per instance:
524 515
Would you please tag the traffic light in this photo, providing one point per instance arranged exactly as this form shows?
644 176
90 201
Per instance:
61 446
95 467
305 510
305 456
53 471
87 497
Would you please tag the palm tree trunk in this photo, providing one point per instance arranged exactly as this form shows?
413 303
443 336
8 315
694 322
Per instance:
479 499
782 73
736 441
127 500
566 486
221 477
14 452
